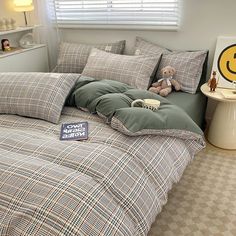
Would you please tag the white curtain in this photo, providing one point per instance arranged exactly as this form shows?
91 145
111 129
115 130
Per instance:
47 32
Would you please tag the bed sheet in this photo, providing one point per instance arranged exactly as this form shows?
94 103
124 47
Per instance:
193 104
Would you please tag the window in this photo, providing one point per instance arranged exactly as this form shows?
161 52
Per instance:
163 13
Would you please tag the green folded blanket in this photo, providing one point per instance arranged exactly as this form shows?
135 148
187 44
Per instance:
112 101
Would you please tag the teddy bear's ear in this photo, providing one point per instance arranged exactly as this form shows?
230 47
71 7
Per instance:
162 70
173 70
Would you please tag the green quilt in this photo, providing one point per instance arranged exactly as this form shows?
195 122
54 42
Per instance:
112 101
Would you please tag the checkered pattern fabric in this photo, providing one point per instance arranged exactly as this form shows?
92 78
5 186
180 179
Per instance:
143 47
132 70
203 203
188 67
39 95
188 64
111 184
73 57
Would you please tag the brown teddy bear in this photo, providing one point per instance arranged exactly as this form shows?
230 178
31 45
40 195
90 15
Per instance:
164 85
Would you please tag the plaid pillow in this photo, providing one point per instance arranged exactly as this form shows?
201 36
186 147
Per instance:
73 57
132 70
188 64
143 47
38 95
188 67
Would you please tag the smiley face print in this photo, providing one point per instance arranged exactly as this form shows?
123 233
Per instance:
227 63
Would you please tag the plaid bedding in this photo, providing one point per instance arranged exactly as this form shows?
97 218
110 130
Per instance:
111 184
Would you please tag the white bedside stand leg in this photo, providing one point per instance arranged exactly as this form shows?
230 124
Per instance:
222 131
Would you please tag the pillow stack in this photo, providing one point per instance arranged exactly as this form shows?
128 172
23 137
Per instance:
188 64
104 61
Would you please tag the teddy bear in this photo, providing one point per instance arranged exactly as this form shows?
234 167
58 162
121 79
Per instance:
164 85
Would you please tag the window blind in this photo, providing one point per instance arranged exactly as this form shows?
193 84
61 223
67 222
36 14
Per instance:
117 12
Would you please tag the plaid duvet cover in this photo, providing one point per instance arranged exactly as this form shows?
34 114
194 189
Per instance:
111 184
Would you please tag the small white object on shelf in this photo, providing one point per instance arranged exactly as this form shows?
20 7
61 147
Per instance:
2 25
7 24
27 41
13 23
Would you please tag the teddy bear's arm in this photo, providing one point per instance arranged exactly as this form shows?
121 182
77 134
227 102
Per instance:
176 84
156 84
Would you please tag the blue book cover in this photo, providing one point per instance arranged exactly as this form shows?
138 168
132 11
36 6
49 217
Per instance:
74 131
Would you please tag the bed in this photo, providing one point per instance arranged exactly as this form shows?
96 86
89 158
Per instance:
113 183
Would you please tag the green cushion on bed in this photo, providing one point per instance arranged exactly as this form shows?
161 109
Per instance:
107 105
138 119
85 94
167 117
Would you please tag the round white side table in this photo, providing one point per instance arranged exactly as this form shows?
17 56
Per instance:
222 130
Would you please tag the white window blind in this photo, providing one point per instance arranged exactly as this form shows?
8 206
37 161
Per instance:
117 12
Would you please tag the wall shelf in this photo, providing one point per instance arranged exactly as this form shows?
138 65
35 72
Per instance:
19 50
32 59
18 29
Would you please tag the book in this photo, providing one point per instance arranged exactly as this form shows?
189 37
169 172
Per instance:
74 131
229 94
